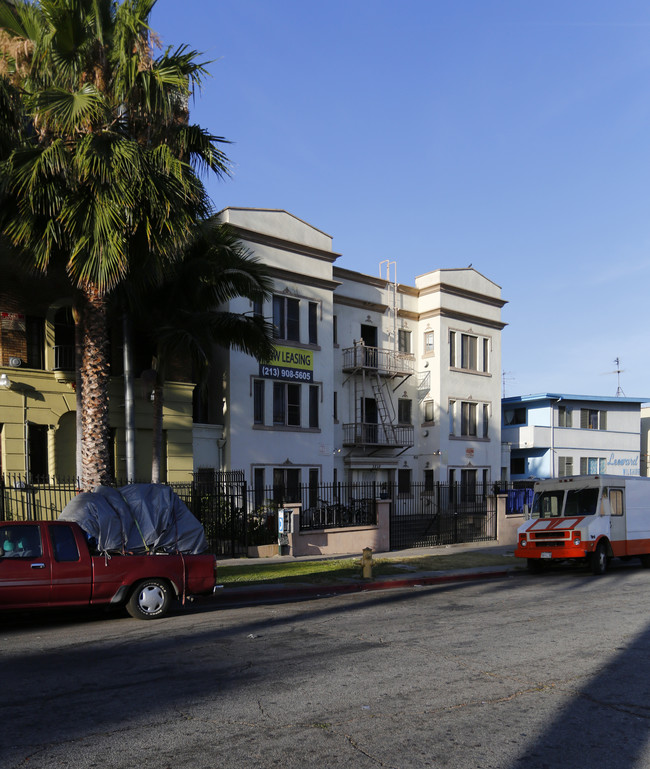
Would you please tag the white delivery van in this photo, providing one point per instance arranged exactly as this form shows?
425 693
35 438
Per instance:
593 517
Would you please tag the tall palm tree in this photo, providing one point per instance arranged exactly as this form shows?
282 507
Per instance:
183 317
104 173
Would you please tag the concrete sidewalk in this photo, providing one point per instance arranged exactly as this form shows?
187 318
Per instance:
301 591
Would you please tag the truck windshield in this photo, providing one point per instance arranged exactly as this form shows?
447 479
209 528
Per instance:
581 502
547 504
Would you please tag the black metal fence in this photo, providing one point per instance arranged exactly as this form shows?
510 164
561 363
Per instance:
442 514
236 516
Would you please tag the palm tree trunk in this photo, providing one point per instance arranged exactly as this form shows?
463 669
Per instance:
157 441
96 468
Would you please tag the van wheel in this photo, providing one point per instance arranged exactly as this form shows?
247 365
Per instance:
599 559
535 566
149 600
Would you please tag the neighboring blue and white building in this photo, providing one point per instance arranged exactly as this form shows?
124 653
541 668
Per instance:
552 435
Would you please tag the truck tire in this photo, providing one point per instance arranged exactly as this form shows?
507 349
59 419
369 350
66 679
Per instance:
535 566
149 600
645 561
599 559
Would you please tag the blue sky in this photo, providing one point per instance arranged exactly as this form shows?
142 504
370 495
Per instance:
510 134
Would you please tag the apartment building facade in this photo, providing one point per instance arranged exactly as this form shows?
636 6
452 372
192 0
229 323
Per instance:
553 435
372 380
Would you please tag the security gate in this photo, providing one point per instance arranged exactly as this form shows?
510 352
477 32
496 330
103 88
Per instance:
441 514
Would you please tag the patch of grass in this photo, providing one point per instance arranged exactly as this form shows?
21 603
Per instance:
342 570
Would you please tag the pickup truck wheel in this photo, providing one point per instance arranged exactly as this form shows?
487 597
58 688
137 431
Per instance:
149 600
599 559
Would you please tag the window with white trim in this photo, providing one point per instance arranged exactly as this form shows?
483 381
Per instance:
286 318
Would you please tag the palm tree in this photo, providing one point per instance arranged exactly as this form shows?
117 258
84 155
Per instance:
181 316
104 172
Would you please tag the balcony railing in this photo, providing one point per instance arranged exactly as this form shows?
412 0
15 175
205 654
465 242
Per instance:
378 360
376 435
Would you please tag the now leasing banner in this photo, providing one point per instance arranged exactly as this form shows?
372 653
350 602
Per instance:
291 364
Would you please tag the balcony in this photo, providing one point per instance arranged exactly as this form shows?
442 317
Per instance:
378 361
367 435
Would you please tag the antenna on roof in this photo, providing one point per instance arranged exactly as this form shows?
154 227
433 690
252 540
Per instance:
506 378
618 371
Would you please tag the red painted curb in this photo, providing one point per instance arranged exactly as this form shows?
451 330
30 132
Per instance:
287 592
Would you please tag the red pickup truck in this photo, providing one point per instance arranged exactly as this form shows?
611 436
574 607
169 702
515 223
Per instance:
47 564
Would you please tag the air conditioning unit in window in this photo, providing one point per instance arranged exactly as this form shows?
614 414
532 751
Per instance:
15 362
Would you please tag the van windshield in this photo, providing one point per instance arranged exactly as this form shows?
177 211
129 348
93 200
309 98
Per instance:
581 502
547 504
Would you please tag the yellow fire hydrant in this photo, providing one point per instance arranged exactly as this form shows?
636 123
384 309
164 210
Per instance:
366 563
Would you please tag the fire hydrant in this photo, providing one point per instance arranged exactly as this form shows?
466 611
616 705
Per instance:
366 563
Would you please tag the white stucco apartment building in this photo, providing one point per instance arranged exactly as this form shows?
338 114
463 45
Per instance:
552 435
373 380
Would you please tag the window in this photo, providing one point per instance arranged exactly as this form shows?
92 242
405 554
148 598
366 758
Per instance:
592 419
258 310
335 406
258 401
565 466
593 465
64 340
313 323
335 329
38 466
564 416
468 485
429 414
469 352
518 465
258 482
20 542
616 501
468 418
286 404
486 420
35 337
404 481
286 318
428 343
63 543
403 340
313 405
452 417
286 484
428 480
404 411
514 416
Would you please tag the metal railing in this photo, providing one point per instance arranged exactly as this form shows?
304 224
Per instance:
379 360
373 434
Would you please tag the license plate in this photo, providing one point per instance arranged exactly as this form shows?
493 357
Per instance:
546 555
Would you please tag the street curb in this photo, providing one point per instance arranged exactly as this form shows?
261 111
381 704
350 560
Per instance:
263 593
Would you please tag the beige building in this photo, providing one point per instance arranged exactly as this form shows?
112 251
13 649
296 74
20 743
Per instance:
38 398
372 380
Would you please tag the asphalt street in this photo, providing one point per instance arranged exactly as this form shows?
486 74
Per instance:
535 672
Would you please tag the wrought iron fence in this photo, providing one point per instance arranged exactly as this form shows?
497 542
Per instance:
236 516
338 505
424 515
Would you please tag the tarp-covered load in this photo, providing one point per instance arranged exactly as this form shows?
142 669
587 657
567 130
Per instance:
141 517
